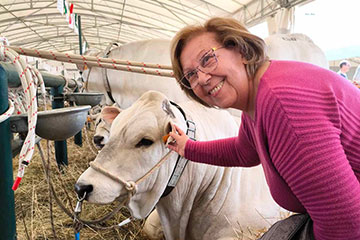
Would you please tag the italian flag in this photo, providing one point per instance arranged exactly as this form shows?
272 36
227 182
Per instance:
67 9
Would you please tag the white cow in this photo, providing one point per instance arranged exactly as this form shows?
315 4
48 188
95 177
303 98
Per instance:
297 47
208 202
102 128
102 132
152 227
126 87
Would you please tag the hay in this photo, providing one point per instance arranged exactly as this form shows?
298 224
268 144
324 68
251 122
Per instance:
33 205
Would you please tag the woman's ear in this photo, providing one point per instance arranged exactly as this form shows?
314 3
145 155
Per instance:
244 60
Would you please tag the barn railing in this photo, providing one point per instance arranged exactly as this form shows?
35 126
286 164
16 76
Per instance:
89 61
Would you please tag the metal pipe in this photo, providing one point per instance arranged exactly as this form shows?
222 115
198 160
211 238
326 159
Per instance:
7 201
50 80
60 146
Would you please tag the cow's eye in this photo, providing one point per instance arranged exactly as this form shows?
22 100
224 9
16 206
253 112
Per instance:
98 122
144 142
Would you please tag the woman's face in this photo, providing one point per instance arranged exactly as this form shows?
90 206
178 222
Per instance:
227 85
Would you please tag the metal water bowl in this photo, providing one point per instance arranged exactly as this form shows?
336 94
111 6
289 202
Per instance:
56 124
92 99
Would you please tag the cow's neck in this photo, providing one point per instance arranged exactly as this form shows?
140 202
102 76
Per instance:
187 203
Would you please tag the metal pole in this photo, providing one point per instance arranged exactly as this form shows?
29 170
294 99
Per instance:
78 136
60 146
80 43
7 201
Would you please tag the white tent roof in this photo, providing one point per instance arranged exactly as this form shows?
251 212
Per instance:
39 24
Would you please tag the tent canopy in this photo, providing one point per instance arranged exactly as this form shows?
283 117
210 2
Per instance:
39 24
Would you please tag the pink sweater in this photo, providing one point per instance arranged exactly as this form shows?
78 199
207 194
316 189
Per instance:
306 135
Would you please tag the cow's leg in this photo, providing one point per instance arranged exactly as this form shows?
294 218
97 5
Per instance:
152 227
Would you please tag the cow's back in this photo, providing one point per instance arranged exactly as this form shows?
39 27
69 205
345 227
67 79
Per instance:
126 86
298 47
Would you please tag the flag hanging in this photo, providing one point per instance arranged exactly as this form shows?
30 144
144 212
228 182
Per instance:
85 47
60 6
71 17
66 10
76 24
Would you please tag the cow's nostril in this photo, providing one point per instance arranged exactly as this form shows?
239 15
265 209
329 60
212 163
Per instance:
81 189
98 139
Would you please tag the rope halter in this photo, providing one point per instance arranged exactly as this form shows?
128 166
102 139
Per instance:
130 186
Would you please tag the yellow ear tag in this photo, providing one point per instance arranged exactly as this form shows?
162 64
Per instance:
165 138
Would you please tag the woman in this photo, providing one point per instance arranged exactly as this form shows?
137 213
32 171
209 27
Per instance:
301 122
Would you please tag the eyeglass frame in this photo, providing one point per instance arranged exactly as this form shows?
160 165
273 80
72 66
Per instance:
197 69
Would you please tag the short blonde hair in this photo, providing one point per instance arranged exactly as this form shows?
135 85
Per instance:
231 34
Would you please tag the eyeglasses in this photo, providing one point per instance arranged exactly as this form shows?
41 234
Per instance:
207 63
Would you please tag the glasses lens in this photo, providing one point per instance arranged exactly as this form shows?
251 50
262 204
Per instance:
192 76
185 83
208 62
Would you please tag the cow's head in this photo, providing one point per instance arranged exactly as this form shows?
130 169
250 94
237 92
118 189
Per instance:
102 132
134 147
102 128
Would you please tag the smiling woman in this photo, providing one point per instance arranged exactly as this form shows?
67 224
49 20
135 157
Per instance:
228 38
300 121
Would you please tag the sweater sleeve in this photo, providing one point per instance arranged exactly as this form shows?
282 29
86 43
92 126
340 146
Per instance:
228 152
303 130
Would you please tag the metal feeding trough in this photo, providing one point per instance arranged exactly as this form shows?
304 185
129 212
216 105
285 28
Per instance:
92 99
56 124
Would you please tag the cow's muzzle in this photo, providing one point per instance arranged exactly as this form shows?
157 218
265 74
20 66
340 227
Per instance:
97 140
83 190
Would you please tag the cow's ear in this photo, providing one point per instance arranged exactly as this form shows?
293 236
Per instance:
109 113
167 108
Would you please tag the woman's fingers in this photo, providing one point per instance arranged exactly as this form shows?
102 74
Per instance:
175 127
180 140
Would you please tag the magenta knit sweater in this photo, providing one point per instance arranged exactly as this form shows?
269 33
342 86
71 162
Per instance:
306 135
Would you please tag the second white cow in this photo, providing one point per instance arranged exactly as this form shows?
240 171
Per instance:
208 202
297 47
126 87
